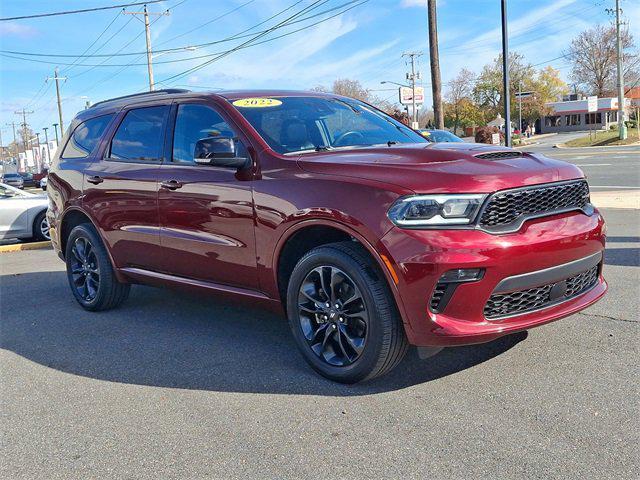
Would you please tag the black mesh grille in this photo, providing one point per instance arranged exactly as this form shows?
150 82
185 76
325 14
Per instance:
436 298
522 301
508 207
498 155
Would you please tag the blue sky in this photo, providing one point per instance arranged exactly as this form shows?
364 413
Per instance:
365 43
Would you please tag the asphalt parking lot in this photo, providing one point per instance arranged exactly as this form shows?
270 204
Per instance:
173 386
176 386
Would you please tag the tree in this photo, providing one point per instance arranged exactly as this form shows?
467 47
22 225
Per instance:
547 86
593 58
350 88
488 87
458 95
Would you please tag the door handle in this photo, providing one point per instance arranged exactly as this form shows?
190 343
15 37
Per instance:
95 179
171 184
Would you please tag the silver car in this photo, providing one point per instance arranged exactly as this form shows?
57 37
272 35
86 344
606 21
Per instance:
22 214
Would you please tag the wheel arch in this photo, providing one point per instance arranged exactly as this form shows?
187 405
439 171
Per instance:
73 217
305 235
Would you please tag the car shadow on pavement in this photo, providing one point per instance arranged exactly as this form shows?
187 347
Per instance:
170 339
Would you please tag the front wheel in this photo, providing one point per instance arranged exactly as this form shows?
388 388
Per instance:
89 271
342 314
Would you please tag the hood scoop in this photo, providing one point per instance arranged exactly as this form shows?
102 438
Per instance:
499 155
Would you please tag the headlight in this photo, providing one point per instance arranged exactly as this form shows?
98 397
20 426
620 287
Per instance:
431 210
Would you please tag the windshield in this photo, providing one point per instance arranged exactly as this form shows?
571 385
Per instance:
303 124
442 136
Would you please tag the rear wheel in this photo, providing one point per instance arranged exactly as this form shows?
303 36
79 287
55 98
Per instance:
89 271
342 315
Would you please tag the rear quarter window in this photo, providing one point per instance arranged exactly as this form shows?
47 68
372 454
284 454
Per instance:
85 137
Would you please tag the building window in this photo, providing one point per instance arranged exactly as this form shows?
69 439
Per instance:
572 120
552 121
593 118
612 117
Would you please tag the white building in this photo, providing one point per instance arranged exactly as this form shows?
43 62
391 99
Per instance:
573 115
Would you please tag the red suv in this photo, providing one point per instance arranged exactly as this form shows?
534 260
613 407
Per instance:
369 237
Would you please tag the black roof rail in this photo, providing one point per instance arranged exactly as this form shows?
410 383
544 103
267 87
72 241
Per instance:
155 92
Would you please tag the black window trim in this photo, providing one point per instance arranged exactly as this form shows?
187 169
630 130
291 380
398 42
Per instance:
171 127
96 148
106 156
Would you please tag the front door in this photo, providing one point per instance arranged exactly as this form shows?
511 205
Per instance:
121 188
206 212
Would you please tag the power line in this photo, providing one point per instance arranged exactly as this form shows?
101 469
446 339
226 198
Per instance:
237 36
313 5
69 12
354 4
94 42
215 19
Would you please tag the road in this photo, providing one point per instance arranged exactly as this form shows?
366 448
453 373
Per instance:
176 386
607 168
173 386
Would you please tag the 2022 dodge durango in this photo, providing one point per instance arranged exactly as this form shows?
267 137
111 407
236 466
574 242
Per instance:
367 236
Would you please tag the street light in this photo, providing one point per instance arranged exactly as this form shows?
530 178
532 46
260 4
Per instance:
395 83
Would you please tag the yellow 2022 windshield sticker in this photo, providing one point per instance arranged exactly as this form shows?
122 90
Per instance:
257 102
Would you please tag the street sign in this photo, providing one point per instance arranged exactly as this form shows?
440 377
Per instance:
524 94
592 104
406 95
495 138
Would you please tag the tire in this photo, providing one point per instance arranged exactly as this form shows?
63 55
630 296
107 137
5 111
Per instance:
362 338
41 227
90 273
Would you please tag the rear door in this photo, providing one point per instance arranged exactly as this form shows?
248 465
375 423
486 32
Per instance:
14 217
206 212
121 187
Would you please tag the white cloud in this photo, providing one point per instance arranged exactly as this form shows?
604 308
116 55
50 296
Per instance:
12 29
413 3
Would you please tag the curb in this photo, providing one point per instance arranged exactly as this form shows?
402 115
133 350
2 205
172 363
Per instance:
18 247
562 145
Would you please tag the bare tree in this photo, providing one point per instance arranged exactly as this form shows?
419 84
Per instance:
350 88
593 57
459 89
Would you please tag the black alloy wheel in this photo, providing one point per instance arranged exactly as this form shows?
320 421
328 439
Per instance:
342 314
91 276
84 269
332 315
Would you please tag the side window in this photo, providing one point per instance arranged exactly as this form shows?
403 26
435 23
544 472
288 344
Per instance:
140 136
195 122
86 137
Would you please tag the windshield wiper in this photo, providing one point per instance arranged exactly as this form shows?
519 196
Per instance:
322 148
391 142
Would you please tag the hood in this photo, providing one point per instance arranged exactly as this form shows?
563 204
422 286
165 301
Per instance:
442 167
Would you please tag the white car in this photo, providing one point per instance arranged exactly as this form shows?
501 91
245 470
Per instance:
43 183
22 214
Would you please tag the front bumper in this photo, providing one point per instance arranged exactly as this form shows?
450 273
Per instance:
420 257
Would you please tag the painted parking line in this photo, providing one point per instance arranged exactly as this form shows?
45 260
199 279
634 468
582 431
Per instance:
617 187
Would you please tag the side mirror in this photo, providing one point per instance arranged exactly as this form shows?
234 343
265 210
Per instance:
219 152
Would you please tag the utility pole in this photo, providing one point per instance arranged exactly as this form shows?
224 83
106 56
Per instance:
55 128
25 134
57 79
520 107
505 76
436 82
15 143
46 139
413 76
622 129
145 13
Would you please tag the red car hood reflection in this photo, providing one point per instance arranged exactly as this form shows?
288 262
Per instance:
441 167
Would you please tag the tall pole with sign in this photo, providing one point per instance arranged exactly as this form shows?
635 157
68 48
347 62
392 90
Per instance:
505 76
413 76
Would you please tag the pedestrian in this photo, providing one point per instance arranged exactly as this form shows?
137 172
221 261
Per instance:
528 131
